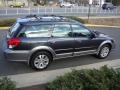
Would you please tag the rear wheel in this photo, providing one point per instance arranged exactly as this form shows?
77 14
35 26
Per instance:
21 6
104 51
40 60
11 6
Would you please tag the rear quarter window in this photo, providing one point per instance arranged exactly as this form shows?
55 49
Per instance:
36 31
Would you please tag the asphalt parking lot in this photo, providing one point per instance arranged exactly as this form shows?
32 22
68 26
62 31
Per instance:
12 68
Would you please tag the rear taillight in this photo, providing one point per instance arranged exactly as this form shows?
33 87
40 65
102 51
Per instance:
14 42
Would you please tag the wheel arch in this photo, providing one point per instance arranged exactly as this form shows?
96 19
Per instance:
41 48
108 42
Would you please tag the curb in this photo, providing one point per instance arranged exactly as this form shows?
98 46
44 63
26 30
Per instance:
89 25
43 77
93 25
98 17
4 28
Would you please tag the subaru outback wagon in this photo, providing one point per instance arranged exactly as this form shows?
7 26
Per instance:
39 40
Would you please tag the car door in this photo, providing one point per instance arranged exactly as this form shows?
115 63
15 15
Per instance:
83 41
62 41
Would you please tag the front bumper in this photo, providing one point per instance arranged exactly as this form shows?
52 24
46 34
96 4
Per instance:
16 55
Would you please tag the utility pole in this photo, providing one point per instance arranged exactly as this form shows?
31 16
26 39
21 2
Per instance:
89 10
6 3
28 3
111 1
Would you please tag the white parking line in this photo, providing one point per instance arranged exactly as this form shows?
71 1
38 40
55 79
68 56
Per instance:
42 77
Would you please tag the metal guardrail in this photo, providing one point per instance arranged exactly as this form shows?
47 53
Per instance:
75 11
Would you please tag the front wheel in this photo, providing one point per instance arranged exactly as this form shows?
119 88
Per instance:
104 51
40 60
62 6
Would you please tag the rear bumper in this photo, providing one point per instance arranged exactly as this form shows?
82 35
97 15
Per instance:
16 55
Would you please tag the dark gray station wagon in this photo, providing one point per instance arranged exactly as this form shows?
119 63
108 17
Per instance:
39 40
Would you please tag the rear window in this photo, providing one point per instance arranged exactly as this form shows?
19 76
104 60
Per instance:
13 29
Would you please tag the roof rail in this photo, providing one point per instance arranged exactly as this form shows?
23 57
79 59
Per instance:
32 16
52 17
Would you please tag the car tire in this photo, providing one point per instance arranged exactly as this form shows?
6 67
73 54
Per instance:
104 51
21 6
62 6
11 6
40 60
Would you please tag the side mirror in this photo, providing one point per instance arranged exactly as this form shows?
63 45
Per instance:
92 35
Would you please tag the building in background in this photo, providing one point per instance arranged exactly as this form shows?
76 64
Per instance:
47 2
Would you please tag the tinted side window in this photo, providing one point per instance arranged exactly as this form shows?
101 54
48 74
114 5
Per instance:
61 30
80 31
36 31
